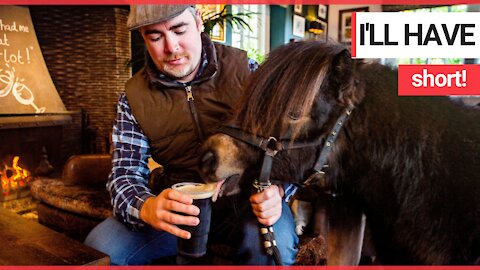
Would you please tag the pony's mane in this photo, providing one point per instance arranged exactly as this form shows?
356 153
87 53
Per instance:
286 84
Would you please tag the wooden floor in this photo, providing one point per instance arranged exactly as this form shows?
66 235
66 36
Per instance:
25 242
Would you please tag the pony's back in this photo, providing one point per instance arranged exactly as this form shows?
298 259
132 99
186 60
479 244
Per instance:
423 158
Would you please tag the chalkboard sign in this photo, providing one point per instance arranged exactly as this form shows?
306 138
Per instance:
25 83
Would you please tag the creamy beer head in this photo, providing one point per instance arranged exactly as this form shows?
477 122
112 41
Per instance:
195 190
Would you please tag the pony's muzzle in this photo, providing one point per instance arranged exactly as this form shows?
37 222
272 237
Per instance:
219 158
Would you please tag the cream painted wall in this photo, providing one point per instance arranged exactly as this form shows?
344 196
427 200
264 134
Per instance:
333 14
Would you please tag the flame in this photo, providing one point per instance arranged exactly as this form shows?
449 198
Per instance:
14 177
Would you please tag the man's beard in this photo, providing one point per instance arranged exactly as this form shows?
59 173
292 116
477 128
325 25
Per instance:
176 73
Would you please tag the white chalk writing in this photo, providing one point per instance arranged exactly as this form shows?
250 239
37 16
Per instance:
13 27
10 83
12 54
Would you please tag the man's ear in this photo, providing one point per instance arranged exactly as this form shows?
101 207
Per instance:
199 21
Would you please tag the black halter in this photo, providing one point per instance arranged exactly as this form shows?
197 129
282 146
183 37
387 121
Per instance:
271 146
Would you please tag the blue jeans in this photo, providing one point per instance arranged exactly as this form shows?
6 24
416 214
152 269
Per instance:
126 247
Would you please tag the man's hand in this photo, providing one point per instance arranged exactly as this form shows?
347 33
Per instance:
267 205
157 211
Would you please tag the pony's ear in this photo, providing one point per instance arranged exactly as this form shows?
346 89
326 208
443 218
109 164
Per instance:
341 76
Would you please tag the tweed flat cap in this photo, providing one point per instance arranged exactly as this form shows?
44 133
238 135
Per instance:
141 15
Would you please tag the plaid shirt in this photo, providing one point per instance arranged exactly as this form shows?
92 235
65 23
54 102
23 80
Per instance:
128 182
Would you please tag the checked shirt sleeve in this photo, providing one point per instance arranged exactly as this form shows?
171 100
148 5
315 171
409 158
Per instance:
290 190
252 65
128 180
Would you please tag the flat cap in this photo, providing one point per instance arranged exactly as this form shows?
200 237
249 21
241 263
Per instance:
141 15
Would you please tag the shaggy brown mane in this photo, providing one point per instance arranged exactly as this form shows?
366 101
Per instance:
270 95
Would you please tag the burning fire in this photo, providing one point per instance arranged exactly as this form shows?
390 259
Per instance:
14 177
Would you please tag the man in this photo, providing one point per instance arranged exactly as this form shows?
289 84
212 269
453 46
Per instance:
187 88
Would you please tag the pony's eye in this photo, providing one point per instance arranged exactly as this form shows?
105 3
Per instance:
297 119
296 115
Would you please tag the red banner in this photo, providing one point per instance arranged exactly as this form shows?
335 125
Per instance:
227 267
438 80
239 2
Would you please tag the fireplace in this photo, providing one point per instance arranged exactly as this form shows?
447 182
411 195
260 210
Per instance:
55 71
22 153
33 117
13 179
59 98
30 144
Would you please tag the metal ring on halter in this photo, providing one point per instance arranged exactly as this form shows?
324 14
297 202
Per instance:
271 146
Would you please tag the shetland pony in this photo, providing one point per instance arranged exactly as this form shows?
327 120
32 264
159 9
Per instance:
411 164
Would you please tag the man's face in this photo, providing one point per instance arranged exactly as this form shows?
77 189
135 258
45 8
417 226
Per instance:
175 45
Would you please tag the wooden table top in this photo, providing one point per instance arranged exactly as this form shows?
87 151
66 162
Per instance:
25 242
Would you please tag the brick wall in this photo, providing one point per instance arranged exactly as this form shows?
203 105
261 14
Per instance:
86 49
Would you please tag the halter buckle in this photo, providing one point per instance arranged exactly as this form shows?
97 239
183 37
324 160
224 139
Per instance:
261 186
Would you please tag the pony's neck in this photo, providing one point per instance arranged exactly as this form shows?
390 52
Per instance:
366 134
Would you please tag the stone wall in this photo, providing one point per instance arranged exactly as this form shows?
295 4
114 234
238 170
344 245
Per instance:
86 49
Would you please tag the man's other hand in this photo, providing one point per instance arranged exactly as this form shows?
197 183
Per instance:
267 205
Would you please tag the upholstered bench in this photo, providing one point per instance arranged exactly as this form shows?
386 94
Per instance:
78 201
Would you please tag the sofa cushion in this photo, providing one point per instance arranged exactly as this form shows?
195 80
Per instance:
93 202
71 224
88 170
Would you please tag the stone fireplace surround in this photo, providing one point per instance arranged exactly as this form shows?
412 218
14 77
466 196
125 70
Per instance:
86 49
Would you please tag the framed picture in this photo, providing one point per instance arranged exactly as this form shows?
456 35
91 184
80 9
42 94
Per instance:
345 24
212 12
297 9
298 26
324 28
322 12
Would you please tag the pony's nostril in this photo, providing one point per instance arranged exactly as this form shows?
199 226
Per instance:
207 156
208 161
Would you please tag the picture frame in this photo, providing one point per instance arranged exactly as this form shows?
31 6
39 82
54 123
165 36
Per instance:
322 12
345 24
325 28
298 26
297 9
218 31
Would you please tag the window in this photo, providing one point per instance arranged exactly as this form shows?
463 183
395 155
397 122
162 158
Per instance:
400 61
469 100
254 41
